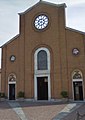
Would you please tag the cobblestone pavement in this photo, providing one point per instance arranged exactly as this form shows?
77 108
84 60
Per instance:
32 110
41 111
6 113
18 110
73 115
12 110
67 110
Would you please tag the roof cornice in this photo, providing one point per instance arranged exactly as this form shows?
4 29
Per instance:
11 40
74 30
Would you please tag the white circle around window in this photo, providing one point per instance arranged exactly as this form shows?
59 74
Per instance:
12 58
41 22
75 51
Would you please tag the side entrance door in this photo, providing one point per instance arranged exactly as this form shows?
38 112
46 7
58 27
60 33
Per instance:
78 90
42 88
11 91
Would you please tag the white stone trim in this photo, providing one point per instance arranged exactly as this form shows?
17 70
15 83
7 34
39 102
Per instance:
15 89
77 80
48 57
35 86
11 82
42 73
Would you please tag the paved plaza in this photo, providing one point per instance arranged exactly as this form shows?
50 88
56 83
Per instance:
26 110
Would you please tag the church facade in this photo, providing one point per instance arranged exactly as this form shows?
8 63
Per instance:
46 57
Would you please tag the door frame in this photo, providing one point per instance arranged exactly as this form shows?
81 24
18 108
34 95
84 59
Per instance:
42 92
42 73
77 80
35 86
15 88
12 80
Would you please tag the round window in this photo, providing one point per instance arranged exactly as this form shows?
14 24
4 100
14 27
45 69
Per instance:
41 22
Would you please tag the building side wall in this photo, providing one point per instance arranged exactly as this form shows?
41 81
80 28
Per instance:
9 67
75 40
3 69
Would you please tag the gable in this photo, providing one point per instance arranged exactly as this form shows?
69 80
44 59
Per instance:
40 3
27 17
54 13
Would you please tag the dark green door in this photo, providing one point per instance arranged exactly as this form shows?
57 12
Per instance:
78 90
11 91
42 88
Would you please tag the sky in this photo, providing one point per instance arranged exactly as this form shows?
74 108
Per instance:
9 18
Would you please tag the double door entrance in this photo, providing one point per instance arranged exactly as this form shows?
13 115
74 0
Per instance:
78 90
42 88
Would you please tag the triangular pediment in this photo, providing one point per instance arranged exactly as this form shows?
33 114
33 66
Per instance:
42 3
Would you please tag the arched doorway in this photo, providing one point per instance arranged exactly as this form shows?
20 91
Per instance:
77 79
11 86
42 74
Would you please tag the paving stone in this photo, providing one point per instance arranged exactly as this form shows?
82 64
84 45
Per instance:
13 110
17 108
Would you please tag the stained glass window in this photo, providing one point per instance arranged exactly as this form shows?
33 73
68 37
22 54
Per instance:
42 60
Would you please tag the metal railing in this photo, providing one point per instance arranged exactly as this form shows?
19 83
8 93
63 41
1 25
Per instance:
79 116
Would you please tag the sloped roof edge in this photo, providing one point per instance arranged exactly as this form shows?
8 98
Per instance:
10 41
42 2
68 28
75 30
